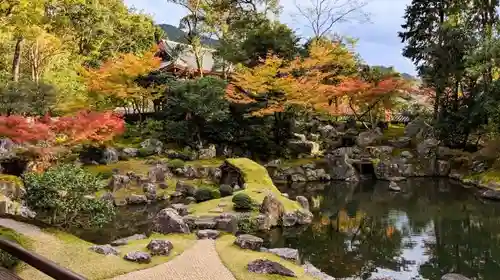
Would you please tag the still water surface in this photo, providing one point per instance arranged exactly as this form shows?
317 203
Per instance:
364 231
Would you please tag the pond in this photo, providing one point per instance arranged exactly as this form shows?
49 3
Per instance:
364 231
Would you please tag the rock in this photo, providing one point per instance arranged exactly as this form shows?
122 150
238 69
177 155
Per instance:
304 217
149 190
105 250
216 210
191 172
190 200
413 128
289 219
12 188
126 240
401 142
209 153
302 200
158 173
339 168
453 276
109 155
205 223
138 257
25 212
269 267
273 209
443 168
490 194
478 166
136 199
185 188
208 234
154 145
428 148
393 186
298 178
181 209
248 241
129 152
227 222
406 154
176 194
163 185
286 253
118 182
315 272
327 131
262 222
368 138
160 247
285 195
169 221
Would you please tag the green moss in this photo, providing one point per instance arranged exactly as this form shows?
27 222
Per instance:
215 162
394 131
11 179
298 162
258 184
491 175
6 259
236 260
74 254
135 165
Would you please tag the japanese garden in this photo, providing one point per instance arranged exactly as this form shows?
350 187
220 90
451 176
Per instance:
233 147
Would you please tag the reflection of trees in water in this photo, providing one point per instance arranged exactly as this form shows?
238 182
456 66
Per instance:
359 228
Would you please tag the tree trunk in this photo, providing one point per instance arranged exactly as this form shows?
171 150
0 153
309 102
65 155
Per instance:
16 61
199 62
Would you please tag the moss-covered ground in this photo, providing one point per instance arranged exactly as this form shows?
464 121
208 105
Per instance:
258 184
74 254
237 259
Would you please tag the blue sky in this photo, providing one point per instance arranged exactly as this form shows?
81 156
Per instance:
378 41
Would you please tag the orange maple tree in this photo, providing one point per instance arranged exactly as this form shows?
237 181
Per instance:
300 81
117 79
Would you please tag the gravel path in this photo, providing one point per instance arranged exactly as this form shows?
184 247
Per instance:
200 262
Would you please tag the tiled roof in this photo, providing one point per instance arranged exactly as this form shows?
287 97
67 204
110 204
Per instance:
187 59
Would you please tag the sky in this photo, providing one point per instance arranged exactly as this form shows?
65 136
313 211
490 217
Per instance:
378 42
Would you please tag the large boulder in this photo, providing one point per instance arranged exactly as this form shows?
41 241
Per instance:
149 190
273 209
118 182
155 146
160 247
315 272
129 153
368 138
208 153
185 188
248 241
302 200
207 234
169 221
428 148
340 168
286 253
415 127
109 155
158 173
135 199
269 267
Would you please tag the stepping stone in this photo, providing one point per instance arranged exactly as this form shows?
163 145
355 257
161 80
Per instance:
105 250
248 241
208 234
269 267
138 257
160 247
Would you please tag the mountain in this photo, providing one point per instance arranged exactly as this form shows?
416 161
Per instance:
177 35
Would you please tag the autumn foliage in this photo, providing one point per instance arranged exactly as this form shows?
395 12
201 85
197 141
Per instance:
84 127
324 78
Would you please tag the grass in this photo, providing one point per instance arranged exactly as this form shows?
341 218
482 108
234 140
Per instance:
74 254
394 131
236 260
491 175
258 184
298 162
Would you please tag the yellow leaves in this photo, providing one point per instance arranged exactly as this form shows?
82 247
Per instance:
117 77
309 81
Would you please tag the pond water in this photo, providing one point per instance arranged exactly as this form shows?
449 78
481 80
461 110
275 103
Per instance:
364 231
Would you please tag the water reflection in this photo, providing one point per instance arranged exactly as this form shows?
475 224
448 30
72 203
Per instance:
364 231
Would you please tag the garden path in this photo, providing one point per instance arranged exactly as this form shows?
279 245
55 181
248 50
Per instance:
200 262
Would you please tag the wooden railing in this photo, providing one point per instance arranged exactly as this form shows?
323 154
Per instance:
40 263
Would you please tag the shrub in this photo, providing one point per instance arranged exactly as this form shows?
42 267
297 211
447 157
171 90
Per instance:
58 197
176 163
106 174
242 202
225 190
6 259
215 194
203 194
146 152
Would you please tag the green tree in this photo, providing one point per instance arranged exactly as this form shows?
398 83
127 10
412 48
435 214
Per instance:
59 196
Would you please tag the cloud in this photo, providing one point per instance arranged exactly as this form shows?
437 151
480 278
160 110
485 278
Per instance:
378 40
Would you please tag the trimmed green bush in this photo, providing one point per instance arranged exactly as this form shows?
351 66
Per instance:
215 194
226 190
203 194
6 259
146 152
176 163
242 202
